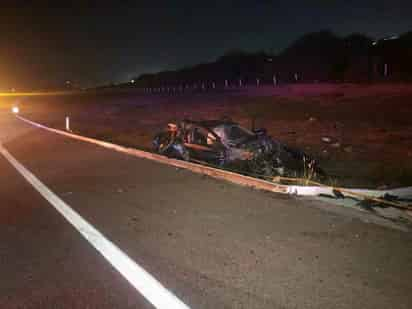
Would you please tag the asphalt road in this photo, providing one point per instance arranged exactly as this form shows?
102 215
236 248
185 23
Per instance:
214 244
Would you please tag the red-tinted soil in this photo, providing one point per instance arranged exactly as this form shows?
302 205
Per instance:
370 125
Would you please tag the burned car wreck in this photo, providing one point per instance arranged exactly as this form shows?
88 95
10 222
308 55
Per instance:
226 144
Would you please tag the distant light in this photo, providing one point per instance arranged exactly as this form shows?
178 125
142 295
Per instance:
15 110
393 37
132 81
374 42
390 38
68 82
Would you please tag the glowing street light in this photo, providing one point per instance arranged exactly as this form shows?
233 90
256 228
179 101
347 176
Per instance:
15 110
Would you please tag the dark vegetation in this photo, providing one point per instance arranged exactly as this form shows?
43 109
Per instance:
321 56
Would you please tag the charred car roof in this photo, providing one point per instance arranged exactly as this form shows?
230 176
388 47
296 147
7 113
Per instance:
210 124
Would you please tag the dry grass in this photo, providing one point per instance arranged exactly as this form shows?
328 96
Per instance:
370 124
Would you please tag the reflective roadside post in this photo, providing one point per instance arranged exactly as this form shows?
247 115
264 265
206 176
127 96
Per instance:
68 124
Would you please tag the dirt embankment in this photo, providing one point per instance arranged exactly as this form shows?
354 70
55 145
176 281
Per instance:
369 126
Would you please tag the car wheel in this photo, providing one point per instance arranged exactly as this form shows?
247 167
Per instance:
162 142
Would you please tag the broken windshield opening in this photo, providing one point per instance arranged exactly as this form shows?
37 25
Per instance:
239 134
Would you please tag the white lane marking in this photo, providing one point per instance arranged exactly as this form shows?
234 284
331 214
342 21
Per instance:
145 283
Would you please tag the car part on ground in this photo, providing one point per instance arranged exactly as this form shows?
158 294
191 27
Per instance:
226 144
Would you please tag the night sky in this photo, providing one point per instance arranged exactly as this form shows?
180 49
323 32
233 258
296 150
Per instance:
102 43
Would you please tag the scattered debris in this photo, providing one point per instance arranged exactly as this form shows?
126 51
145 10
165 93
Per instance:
382 187
348 149
366 205
338 194
337 125
325 153
326 139
390 212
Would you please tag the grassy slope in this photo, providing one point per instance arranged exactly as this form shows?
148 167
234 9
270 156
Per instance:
371 123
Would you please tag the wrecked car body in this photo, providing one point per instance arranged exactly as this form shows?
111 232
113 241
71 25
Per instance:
226 144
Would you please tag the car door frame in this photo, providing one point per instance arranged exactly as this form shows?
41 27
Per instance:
203 152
